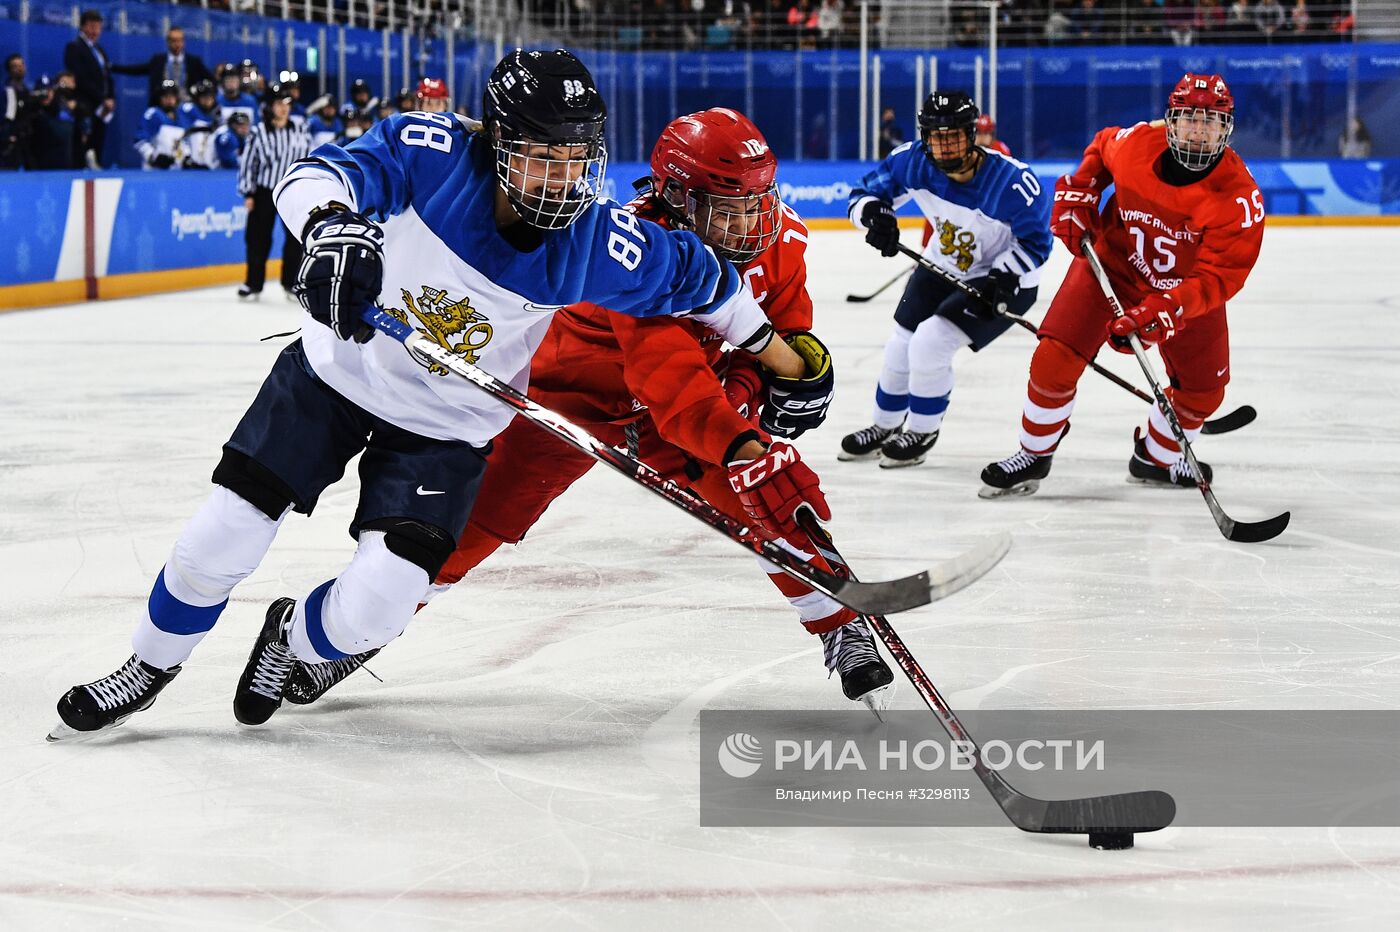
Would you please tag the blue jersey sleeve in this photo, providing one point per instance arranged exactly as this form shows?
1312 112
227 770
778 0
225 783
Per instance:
644 270
1023 204
149 127
382 166
888 182
226 148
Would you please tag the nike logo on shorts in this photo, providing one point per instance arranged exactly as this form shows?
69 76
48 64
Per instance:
1221 372
423 491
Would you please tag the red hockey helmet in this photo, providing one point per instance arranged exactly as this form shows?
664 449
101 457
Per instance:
433 88
985 126
432 96
1200 120
715 172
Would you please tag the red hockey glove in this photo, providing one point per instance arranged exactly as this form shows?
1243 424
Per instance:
773 486
1155 320
1075 214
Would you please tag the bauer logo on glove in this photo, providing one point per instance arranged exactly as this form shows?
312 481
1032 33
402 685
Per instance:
794 406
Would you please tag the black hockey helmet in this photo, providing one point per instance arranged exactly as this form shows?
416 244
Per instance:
168 87
238 118
276 92
200 88
360 85
535 99
948 110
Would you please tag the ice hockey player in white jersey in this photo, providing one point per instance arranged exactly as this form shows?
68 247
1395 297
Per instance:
991 230
475 235
159 136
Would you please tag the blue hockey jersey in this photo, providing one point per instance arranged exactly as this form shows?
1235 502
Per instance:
999 218
246 104
159 133
429 180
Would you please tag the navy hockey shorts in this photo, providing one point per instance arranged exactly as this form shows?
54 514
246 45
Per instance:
304 433
928 295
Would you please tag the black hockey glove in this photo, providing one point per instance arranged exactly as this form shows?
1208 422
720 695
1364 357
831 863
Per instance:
791 407
999 287
342 270
881 228
192 165
162 161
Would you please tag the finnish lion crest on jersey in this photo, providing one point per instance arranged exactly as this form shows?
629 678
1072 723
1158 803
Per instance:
451 323
960 244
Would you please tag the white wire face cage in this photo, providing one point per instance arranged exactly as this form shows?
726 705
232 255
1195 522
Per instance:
550 193
1198 136
739 228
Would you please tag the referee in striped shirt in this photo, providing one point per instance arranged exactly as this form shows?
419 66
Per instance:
272 147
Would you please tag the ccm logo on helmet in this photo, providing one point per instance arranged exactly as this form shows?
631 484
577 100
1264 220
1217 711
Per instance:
672 167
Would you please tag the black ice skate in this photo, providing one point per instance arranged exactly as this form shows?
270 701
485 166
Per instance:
111 700
1178 475
310 681
850 652
1019 474
865 443
247 294
264 679
906 449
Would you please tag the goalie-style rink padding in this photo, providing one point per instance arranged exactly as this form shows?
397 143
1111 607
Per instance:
532 756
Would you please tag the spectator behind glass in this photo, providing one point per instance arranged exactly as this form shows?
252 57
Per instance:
1239 23
1180 17
829 23
55 128
90 67
1300 20
1355 141
1210 22
1269 19
14 114
1086 23
1146 25
891 136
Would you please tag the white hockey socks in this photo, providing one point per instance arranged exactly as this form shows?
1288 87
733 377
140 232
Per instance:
366 606
931 352
220 547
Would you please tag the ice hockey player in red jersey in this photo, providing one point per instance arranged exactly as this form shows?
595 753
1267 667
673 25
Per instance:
1178 238
710 420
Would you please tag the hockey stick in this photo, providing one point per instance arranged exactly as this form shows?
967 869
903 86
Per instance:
861 299
884 597
1242 531
1121 813
1221 425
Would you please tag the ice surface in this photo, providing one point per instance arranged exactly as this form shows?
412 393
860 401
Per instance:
531 758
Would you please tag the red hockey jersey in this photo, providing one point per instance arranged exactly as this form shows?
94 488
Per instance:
595 366
1198 241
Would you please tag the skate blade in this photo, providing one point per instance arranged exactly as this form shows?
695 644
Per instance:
1016 491
878 700
1155 484
67 735
898 464
845 457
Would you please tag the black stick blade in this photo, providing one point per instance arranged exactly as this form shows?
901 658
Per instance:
1245 414
1254 532
1143 811
860 298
